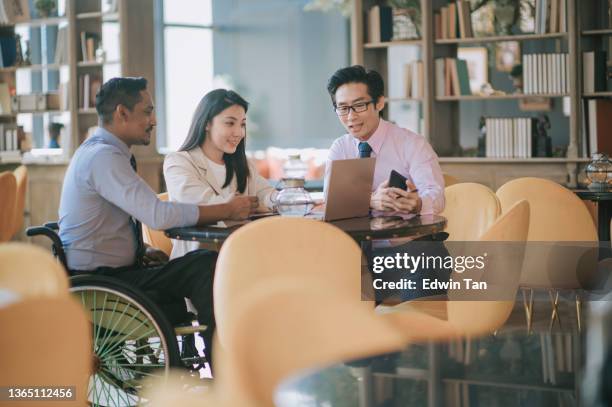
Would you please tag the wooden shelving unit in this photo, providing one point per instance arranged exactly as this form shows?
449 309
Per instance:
502 38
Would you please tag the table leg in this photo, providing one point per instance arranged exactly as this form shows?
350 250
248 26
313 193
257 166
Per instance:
604 212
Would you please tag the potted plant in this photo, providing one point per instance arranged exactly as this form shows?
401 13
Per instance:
45 8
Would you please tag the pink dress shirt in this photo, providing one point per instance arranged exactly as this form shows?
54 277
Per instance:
401 150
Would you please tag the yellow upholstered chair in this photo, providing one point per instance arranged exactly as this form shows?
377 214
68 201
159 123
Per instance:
267 248
8 197
46 342
470 210
21 176
460 313
449 180
157 238
292 323
31 272
557 215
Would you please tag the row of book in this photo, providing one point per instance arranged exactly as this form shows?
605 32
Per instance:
551 16
594 71
452 78
89 43
89 85
61 46
414 81
9 137
546 73
509 137
597 127
454 21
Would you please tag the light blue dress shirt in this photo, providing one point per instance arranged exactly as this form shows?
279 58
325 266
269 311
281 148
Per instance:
100 193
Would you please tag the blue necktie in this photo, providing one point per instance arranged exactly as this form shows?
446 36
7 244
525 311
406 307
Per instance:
364 149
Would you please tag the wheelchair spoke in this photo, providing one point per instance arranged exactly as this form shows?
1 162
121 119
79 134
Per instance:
102 351
99 324
110 331
118 343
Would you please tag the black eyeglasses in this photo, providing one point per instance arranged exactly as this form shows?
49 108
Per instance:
357 108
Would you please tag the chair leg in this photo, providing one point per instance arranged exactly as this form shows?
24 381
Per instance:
554 300
528 305
578 312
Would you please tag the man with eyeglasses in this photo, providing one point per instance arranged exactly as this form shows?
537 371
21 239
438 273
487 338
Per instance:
358 98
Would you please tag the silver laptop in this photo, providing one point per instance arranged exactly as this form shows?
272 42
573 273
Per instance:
349 189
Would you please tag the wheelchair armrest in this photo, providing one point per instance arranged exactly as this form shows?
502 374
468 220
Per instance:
52 225
58 249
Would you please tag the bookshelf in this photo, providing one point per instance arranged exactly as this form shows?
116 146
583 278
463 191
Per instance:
446 135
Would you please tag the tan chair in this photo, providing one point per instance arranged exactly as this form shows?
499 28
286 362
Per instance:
460 313
21 176
265 249
470 210
157 238
293 323
449 180
31 272
8 198
46 342
557 215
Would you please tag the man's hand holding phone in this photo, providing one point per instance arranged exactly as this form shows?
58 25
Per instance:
397 194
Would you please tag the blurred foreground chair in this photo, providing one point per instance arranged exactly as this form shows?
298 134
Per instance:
466 314
8 199
31 272
46 342
21 176
267 249
157 238
470 210
449 180
292 323
557 215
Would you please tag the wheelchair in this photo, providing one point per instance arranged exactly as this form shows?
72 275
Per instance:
132 338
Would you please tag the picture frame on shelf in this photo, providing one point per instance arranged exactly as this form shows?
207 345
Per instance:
477 62
507 55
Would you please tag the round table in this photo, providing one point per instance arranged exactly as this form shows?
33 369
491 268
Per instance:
604 209
360 229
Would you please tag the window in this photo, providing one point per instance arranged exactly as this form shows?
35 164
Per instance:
184 65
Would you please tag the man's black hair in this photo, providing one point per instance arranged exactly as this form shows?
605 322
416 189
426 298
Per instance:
357 74
118 91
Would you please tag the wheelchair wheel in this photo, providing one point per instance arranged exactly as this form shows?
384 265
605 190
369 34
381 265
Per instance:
132 339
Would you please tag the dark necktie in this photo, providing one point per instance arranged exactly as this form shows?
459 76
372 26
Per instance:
364 149
137 226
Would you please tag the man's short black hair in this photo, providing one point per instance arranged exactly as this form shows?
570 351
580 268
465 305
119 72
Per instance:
357 74
118 91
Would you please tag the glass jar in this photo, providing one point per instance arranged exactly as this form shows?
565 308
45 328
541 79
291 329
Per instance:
293 199
295 168
599 172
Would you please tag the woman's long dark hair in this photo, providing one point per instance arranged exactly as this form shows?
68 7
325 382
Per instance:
213 103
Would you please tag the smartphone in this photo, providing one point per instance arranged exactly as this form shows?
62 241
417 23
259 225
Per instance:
397 180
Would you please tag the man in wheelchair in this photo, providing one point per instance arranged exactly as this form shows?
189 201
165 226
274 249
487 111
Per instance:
104 201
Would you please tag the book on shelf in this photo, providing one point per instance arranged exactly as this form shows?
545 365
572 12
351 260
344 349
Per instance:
9 138
414 80
598 119
545 74
35 102
8 50
509 137
89 44
380 24
454 21
551 16
14 11
61 46
5 99
594 71
89 85
452 78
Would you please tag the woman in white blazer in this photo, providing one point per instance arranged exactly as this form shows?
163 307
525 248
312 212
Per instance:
211 166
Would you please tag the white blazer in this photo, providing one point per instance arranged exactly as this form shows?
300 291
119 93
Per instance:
189 180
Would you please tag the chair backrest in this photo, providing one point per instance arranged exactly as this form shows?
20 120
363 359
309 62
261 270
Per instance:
293 323
265 249
470 210
557 214
8 198
31 272
157 238
21 176
502 275
46 342
449 180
